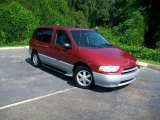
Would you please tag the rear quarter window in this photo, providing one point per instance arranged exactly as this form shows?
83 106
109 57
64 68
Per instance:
43 35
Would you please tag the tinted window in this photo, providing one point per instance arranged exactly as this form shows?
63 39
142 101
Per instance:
61 37
89 38
43 35
34 36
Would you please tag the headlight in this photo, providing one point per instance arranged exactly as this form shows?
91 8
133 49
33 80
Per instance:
109 68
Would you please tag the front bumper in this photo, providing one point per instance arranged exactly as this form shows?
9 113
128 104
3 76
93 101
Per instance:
115 80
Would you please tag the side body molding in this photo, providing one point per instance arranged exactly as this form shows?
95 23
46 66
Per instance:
57 64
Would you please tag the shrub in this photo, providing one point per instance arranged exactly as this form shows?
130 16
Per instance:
2 36
108 34
17 23
142 53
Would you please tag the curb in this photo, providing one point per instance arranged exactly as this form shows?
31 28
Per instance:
148 65
8 48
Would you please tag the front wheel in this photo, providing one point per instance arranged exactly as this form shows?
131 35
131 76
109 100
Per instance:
35 59
83 77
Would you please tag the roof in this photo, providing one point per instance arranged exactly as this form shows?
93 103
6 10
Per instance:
65 28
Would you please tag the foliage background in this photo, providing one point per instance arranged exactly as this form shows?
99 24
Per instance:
133 25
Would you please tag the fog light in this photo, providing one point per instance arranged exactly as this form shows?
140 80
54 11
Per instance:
114 84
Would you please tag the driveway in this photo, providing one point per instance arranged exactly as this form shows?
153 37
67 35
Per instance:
28 93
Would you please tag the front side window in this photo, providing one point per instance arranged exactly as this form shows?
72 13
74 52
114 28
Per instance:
89 38
43 35
61 37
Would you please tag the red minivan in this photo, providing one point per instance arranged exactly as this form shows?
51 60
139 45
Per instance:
83 54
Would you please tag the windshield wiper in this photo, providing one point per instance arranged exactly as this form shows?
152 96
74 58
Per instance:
105 45
92 46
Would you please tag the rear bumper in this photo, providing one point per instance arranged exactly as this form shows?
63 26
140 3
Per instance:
114 80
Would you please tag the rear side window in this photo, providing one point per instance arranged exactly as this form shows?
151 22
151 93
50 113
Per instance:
43 35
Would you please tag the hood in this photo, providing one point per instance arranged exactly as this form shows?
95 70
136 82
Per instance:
107 56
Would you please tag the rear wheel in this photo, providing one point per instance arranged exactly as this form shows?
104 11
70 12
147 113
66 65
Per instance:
83 77
35 59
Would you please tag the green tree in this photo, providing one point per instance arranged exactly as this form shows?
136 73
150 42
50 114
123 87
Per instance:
49 12
153 11
78 19
133 29
17 23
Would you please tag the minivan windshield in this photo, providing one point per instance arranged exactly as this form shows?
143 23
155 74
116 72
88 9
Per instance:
89 38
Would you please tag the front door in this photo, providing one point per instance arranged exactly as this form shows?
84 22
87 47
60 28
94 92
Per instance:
64 57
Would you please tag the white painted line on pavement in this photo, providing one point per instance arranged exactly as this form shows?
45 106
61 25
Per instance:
36 98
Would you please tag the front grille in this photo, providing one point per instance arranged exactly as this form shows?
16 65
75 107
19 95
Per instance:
126 81
129 70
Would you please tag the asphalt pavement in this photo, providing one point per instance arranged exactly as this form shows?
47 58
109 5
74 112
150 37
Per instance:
28 93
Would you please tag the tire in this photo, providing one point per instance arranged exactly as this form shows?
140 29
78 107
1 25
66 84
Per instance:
83 77
35 60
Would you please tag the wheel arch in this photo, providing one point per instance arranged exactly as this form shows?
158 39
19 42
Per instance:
80 64
33 50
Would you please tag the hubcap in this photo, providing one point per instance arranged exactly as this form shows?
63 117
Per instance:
84 78
35 59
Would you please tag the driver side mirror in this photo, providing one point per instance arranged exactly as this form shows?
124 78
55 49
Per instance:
67 45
